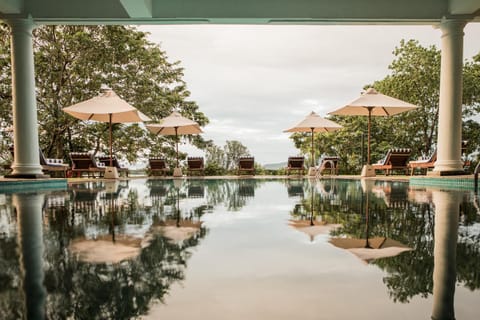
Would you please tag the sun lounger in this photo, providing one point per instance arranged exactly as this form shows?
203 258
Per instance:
51 166
395 159
157 165
423 164
246 165
106 162
84 162
195 164
328 164
296 164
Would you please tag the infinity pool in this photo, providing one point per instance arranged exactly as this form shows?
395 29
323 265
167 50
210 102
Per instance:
240 249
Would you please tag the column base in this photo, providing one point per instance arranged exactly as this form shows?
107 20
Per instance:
27 176
368 171
446 173
111 173
177 172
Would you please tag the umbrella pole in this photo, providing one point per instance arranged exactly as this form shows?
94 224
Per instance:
368 138
367 214
111 148
313 151
311 208
176 142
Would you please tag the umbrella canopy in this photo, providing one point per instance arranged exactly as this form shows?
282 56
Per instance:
106 107
175 124
178 231
371 103
103 249
370 249
313 230
314 123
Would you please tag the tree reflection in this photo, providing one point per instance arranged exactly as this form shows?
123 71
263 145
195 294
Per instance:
83 290
405 214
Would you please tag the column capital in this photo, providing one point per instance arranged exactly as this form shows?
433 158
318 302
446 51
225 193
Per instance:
21 24
451 27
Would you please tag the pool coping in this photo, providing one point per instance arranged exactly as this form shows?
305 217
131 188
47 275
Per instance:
457 182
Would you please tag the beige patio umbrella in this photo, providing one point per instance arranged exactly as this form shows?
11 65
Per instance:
106 107
106 249
372 103
313 230
175 124
371 249
314 123
178 230
367 248
310 226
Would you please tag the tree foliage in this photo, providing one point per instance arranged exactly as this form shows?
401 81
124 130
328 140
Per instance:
71 65
225 158
414 77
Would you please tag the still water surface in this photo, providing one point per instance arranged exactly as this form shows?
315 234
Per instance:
240 249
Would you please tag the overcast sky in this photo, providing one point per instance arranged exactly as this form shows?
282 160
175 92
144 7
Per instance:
253 82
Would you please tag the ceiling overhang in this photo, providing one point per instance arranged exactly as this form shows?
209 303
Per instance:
240 12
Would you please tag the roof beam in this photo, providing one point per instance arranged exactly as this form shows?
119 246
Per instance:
459 7
11 6
138 8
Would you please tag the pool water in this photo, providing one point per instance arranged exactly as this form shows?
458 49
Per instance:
240 249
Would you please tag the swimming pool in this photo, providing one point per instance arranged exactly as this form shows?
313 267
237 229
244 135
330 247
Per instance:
240 249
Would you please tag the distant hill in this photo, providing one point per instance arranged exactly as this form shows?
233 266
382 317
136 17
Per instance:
275 166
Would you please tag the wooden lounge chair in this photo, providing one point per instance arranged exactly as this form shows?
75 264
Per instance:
106 162
423 164
157 165
328 164
395 159
296 164
52 166
84 162
246 165
195 164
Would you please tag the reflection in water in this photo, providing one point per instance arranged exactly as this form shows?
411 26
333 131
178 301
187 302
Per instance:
369 248
159 224
306 215
447 210
30 241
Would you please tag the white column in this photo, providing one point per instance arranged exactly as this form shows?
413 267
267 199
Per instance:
26 163
450 113
447 211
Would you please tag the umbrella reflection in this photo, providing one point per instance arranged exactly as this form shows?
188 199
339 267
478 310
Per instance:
368 249
106 248
110 248
177 230
309 224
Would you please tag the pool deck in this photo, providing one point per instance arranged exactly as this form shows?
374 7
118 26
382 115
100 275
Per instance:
456 182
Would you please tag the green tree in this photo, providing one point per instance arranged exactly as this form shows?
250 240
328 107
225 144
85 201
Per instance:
71 64
233 150
414 77
215 160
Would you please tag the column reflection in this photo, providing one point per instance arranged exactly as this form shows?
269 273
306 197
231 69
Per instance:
447 210
30 243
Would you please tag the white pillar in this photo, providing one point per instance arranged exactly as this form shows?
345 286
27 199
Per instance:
26 163
450 113
447 211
